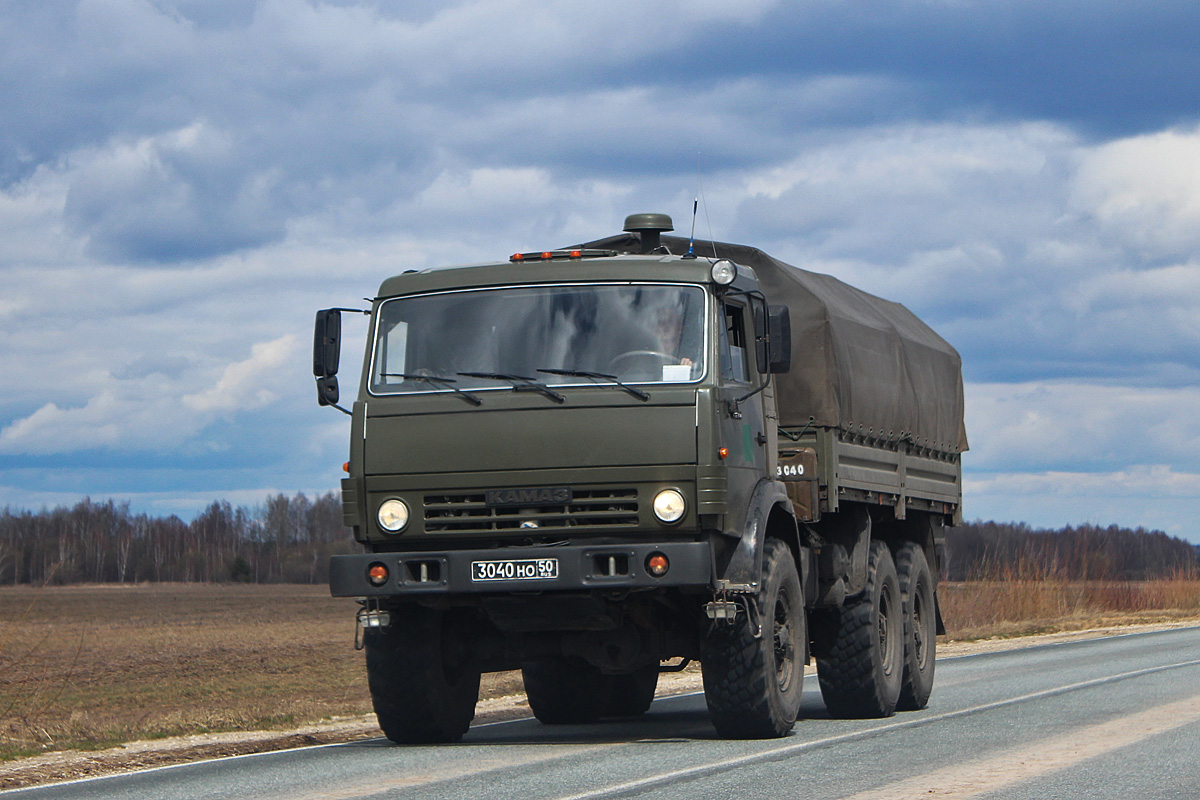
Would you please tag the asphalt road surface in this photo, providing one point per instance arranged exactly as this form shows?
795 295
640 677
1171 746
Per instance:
1104 718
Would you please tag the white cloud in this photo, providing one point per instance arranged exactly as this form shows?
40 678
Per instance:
1152 496
1146 189
241 385
178 194
1081 427
184 182
152 412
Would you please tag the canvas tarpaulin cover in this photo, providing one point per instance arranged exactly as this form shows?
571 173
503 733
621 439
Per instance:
859 363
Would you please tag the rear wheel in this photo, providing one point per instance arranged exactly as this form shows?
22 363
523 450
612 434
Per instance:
422 685
920 627
860 663
565 691
631 695
752 685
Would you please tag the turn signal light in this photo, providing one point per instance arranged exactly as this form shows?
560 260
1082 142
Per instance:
657 565
723 453
377 574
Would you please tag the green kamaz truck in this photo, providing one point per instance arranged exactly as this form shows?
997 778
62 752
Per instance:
599 463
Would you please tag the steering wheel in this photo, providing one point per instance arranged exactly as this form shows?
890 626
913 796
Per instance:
631 355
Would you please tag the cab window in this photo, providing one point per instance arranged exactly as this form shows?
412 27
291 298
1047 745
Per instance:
734 352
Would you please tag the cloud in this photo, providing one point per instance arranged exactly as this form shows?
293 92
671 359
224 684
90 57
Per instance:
178 195
1081 427
980 230
240 385
1152 496
182 183
151 412
1146 189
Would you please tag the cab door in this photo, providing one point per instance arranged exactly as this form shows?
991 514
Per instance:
740 423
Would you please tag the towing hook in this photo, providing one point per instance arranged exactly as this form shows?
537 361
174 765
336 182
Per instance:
725 611
369 618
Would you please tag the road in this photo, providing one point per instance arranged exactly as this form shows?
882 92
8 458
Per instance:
1117 717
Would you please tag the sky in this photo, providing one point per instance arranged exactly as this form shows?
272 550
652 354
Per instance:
184 182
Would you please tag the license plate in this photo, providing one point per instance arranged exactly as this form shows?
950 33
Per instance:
528 569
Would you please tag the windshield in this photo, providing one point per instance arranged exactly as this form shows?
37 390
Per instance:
643 333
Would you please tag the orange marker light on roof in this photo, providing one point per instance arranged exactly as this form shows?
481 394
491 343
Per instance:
346 467
576 254
547 255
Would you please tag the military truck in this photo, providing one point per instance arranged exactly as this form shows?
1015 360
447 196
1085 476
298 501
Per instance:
602 462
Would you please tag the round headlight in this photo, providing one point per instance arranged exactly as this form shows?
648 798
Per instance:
669 506
393 515
723 272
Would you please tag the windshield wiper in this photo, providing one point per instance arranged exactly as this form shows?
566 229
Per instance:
437 380
582 373
519 383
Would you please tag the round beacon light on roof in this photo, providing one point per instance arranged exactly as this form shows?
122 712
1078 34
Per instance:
723 272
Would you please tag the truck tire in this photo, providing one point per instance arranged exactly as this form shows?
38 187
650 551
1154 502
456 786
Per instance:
920 627
752 686
631 695
861 662
423 690
565 691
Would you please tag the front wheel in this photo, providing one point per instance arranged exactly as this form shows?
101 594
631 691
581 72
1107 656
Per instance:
565 691
860 661
422 686
752 685
631 695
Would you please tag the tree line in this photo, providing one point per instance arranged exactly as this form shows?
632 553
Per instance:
290 539
284 540
982 550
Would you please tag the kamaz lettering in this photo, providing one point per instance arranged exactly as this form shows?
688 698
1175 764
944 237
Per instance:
528 497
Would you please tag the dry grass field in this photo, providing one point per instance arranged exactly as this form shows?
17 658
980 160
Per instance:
85 667
89 666
1018 606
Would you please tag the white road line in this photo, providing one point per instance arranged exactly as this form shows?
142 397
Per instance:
1039 758
779 753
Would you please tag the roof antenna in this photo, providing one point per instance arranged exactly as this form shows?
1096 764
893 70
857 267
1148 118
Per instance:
691 253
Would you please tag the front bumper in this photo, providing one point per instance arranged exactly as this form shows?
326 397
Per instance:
608 566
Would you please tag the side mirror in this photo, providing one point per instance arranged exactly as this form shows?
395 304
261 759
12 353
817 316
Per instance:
327 349
327 390
327 342
761 354
779 327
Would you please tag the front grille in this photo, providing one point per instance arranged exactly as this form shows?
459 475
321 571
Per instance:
590 508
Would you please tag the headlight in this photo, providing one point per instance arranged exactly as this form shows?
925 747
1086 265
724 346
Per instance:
393 515
669 506
723 272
